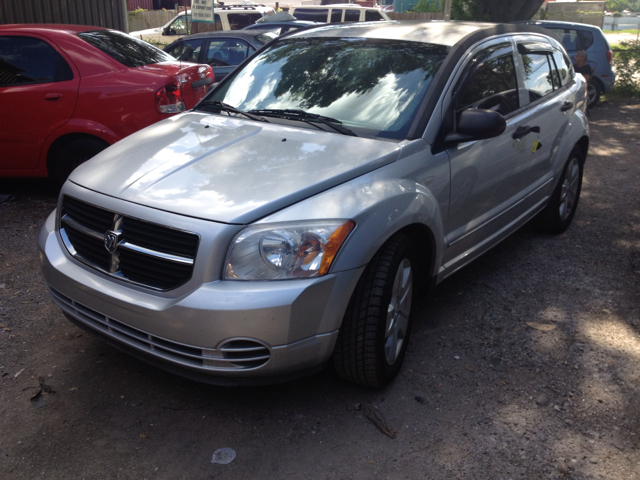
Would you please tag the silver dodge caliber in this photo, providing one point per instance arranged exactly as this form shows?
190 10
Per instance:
288 220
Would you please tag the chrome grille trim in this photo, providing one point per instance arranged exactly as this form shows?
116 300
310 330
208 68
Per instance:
160 258
233 354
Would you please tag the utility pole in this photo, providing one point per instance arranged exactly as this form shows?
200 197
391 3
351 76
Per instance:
447 10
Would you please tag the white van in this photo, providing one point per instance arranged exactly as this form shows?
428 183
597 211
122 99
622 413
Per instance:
344 12
227 17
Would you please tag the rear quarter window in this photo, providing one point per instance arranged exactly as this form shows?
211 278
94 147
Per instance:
372 16
127 50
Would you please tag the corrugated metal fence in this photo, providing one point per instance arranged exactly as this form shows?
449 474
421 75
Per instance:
101 13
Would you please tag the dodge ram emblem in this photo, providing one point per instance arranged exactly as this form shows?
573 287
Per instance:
111 240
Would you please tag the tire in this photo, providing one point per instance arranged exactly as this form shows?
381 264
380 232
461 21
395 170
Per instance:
594 90
72 155
375 331
558 214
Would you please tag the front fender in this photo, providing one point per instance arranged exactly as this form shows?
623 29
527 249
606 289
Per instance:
382 203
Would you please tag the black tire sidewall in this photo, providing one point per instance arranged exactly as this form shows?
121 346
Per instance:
385 371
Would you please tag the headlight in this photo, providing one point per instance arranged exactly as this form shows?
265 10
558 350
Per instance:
286 250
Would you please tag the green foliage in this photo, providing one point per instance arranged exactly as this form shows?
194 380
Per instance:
466 10
620 5
626 61
428 6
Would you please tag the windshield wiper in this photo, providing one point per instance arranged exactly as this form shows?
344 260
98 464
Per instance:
225 107
305 117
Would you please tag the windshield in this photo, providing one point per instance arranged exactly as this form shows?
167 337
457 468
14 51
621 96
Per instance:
125 49
372 86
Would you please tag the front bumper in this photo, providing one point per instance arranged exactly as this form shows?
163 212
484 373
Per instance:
217 331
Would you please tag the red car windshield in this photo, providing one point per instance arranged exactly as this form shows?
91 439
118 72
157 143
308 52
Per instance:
125 49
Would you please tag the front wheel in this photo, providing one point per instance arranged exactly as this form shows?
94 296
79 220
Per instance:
557 215
375 331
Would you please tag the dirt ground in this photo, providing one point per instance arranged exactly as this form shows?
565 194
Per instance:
481 395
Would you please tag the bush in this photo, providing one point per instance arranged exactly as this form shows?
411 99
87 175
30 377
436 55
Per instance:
428 6
626 62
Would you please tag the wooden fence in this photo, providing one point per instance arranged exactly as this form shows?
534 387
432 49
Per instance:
100 13
149 19
416 16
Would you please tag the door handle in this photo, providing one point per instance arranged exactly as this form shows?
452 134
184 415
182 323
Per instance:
566 106
522 131
52 96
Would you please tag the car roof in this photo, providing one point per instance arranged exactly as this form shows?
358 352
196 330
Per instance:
337 5
48 27
441 33
247 34
553 23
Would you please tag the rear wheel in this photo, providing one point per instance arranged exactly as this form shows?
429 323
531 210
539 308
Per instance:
72 155
594 90
375 331
557 215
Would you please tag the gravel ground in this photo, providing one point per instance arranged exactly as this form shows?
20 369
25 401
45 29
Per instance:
482 394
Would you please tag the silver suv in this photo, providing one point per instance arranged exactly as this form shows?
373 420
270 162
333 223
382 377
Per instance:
288 220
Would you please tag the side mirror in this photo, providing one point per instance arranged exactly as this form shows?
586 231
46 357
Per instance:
477 124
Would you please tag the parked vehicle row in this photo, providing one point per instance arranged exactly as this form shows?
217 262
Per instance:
290 218
70 91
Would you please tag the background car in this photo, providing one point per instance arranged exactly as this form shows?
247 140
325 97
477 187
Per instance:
227 17
338 13
282 28
223 51
579 36
70 91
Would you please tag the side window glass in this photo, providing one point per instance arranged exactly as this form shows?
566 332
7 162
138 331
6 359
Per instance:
570 40
26 60
313 15
372 16
565 69
238 21
587 39
352 16
178 27
538 76
336 15
187 51
492 83
228 52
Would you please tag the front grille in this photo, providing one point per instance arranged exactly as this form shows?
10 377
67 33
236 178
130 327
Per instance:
127 248
234 354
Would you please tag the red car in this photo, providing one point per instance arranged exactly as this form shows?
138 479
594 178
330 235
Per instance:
68 91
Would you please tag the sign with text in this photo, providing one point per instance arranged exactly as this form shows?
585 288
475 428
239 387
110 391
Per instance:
202 11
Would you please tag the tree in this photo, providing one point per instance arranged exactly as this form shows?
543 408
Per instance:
494 10
428 6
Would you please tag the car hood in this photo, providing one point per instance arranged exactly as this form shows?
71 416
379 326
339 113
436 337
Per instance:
148 31
228 169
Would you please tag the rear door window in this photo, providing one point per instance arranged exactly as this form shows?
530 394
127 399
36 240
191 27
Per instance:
352 15
238 21
228 51
564 66
26 60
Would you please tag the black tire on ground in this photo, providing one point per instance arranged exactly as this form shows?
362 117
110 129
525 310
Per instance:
594 90
375 330
557 215
72 155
